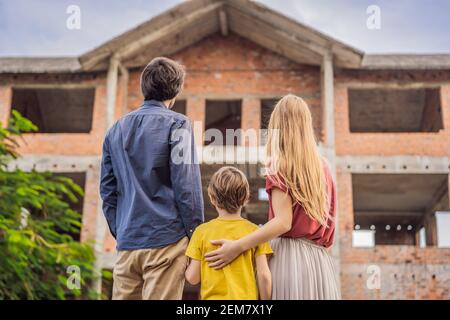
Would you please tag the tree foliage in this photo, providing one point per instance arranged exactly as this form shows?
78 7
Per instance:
36 224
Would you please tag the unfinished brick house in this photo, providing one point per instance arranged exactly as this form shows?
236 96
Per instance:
383 122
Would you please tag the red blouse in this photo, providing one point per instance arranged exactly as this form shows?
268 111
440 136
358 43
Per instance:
302 225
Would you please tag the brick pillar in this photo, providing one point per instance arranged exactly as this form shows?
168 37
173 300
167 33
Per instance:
250 121
99 112
195 110
344 226
91 204
445 105
345 209
5 104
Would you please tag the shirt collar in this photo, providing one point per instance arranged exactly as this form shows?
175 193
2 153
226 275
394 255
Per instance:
153 103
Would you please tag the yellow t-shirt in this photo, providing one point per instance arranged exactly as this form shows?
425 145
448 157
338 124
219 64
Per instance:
237 280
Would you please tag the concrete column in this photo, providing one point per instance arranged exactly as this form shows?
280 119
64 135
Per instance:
111 90
122 105
327 86
251 120
327 94
101 225
195 111
5 104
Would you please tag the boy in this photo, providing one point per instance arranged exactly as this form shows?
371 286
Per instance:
152 201
229 191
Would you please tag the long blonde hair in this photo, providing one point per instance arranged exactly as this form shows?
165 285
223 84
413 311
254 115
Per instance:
294 159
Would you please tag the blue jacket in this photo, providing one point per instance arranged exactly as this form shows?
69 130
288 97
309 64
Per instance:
150 178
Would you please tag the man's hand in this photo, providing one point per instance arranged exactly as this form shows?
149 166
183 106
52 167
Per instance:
219 258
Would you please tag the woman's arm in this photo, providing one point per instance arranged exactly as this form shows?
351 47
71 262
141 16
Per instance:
280 224
193 272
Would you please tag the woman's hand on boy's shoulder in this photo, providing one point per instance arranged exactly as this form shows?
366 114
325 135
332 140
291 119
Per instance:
222 256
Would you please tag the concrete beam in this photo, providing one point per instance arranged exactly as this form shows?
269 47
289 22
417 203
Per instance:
389 213
231 154
180 24
242 154
393 164
223 22
55 163
393 84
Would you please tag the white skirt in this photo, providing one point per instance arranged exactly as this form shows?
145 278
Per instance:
302 270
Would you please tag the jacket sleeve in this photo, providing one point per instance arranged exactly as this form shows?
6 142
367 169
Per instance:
185 175
108 188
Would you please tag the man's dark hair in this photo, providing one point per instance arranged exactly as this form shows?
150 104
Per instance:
162 79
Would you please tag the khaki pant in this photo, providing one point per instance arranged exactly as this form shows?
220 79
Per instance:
151 274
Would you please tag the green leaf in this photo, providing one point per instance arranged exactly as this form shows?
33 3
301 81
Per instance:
37 248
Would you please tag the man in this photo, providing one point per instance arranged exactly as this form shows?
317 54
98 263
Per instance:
151 189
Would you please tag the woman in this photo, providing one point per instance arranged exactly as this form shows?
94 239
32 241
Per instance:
302 208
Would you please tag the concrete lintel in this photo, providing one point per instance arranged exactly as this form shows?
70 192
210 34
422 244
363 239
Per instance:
239 96
393 164
242 154
389 213
230 154
56 163
393 84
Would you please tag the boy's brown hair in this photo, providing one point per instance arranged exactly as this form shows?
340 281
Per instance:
229 189
162 79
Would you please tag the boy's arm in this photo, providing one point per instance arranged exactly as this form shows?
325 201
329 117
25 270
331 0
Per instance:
193 272
263 277
194 253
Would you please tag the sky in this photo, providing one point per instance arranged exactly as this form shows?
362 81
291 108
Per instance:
38 28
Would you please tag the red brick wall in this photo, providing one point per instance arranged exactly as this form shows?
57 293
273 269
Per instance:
231 67
406 272
416 143
234 68
62 144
